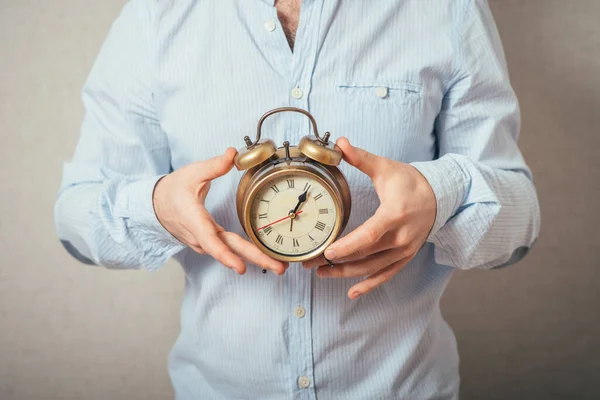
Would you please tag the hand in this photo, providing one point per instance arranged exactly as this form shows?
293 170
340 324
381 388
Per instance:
388 240
179 206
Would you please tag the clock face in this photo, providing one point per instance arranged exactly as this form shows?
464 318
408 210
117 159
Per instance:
289 233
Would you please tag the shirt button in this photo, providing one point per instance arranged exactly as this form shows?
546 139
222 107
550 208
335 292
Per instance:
303 382
381 92
297 93
300 312
270 25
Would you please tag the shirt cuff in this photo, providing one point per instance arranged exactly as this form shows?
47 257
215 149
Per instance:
137 206
449 184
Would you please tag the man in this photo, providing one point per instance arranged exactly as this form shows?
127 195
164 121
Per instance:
420 93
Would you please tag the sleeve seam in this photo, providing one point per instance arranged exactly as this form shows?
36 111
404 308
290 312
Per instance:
460 71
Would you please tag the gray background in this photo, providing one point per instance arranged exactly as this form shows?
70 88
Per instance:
71 331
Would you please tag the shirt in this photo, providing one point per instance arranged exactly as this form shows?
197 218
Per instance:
418 81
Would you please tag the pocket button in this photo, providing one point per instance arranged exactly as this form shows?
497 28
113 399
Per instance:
381 92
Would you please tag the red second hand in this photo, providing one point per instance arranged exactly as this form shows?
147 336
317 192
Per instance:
279 220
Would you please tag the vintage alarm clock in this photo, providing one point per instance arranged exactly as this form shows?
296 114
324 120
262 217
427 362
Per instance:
292 201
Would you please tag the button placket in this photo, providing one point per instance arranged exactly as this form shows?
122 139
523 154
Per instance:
300 79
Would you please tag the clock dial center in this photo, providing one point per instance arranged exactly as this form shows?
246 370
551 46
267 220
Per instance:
293 214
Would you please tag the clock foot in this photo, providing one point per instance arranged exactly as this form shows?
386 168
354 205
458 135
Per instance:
328 261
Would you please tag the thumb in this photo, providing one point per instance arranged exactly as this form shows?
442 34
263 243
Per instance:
216 166
359 158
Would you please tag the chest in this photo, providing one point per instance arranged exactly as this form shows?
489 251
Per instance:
378 80
288 12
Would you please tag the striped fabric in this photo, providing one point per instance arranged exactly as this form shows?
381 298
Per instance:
180 81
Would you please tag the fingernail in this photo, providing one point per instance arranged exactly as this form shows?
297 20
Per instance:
323 273
330 254
354 294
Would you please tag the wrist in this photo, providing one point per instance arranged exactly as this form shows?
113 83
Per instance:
428 199
137 205
157 199
448 184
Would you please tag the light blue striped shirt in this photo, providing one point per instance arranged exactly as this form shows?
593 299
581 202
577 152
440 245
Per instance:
180 81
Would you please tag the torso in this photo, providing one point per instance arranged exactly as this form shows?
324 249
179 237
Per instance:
213 81
288 12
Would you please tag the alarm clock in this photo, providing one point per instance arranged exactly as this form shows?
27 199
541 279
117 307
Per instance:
292 201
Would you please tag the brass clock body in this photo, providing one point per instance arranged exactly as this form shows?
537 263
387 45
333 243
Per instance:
292 201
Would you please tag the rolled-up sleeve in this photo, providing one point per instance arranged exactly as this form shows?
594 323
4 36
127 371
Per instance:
104 213
488 213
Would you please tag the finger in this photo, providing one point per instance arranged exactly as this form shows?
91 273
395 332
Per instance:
197 249
364 267
314 262
363 160
207 236
216 166
366 235
251 253
377 279
385 243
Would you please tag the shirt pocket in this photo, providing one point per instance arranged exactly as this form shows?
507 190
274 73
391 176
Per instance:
384 117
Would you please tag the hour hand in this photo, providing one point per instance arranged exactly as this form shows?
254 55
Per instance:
301 199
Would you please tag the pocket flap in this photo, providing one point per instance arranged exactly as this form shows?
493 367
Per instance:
382 89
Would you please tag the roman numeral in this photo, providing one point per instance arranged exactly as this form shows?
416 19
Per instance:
295 243
279 239
311 238
317 197
262 216
268 230
320 226
323 211
306 187
275 189
290 183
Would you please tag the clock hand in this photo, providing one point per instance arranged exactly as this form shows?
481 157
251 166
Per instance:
301 199
279 220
